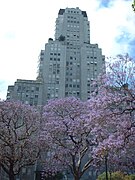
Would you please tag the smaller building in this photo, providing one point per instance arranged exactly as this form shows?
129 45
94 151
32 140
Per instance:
27 91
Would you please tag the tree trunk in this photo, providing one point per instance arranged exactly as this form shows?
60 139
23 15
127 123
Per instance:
77 177
11 176
106 167
11 173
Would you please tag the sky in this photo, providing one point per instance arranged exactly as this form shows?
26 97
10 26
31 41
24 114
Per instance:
26 25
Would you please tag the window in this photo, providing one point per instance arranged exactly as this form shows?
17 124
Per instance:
57 89
36 96
66 93
29 170
19 88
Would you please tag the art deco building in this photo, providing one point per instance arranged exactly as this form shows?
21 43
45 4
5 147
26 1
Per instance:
68 64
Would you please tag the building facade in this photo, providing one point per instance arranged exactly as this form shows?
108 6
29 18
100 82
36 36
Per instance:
68 64
27 91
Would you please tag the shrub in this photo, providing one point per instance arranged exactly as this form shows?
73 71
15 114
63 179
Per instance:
103 176
132 177
116 176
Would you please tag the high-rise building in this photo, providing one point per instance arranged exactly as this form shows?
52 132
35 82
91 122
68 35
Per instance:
68 64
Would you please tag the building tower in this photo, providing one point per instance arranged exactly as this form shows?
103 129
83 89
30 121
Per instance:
68 64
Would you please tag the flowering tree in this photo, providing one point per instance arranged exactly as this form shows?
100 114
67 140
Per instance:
115 106
82 134
19 125
69 130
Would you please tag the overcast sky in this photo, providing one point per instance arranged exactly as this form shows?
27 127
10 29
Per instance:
26 25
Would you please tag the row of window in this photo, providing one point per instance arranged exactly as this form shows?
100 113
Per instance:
53 81
74 26
88 63
54 59
92 57
71 11
69 73
35 96
27 89
55 49
55 45
73 30
76 85
54 54
31 96
52 95
73 21
71 47
54 65
72 35
72 85
75 93
73 42
74 80
96 46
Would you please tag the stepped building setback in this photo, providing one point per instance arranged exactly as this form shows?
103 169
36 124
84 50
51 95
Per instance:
67 66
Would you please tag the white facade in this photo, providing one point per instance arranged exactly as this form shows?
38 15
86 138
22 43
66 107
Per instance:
70 63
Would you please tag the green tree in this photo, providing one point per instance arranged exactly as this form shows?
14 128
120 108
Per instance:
133 5
116 176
